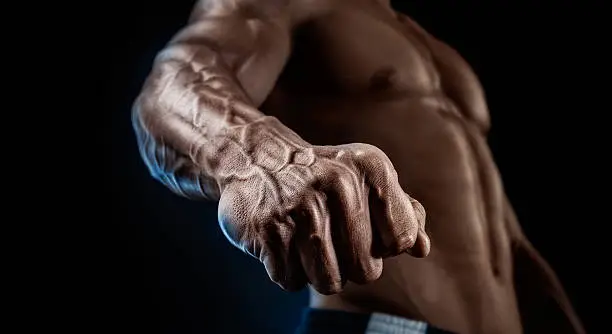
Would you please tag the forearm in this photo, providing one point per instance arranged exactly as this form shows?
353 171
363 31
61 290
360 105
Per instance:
198 129
544 305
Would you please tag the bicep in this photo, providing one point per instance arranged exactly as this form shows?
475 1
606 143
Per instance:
252 43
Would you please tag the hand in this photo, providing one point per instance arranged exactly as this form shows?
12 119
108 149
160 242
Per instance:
319 214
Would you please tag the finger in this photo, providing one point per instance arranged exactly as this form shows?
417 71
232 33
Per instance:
280 256
350 217
396 221
315 245
422 245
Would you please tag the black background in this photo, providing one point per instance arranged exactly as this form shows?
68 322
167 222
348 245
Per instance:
542 67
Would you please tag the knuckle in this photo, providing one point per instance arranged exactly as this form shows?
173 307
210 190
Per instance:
368 151
343 152
375 163
361 148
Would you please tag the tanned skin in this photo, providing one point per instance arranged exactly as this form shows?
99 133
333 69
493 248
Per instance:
290 114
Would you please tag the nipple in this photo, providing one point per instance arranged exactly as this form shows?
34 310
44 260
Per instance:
383 79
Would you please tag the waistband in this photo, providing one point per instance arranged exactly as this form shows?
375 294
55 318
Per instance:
319 321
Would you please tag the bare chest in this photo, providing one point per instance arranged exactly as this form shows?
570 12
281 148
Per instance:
354 52
370 53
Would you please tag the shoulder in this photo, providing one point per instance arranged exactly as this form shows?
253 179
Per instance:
290 11
236 25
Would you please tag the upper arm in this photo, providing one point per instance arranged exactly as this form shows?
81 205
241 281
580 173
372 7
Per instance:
251 39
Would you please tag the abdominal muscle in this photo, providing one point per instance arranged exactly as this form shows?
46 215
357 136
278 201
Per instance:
465 284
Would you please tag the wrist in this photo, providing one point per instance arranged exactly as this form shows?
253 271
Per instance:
265 144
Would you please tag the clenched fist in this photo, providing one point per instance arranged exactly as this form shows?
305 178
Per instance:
314 214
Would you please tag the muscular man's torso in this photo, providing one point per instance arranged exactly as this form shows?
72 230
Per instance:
361 73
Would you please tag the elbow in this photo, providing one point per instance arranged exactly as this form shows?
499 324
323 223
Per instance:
145 114
144 139
153 153
150 147
164 164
